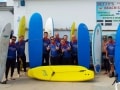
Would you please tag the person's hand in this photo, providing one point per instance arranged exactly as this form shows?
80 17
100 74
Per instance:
57 48
68 48
20 60
107 57
48 48
63 50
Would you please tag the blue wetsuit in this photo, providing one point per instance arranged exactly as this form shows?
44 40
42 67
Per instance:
66 55
54 54
46 42
11 59
74 54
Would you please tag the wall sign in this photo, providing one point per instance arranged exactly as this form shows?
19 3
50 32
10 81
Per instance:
108 13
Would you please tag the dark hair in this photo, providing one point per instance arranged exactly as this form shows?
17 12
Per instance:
46 32
65 35
104 37
52 37
14 37
61 39
21 36
110 37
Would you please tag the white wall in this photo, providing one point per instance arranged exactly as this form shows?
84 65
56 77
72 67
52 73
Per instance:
6 17
64 12
10 2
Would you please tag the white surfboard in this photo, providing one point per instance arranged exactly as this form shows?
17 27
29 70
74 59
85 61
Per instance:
49 27
4 43
96 48
26 47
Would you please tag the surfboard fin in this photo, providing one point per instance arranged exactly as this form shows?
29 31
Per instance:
116 79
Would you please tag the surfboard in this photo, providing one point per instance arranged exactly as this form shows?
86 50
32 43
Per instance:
96 48
26 46
4 43
22 27
83 46
49 26
61 73
22 31
73 27
35 43
117 52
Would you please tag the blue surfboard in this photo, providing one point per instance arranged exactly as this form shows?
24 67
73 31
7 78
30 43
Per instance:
83 46
97 48
35 43
117 54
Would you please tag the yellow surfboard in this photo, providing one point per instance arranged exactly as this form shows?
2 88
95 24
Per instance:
22 27
73 27
61 73
22 30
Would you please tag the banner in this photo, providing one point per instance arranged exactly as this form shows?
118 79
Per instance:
108 13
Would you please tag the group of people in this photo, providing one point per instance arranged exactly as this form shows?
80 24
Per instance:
62 52
16 50
108 53
59 51
56 51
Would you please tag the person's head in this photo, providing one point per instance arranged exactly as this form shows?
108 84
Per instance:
110 39
62 41
104 38
65 37
52 40
73 37
45 34
56 35
21 38
13 39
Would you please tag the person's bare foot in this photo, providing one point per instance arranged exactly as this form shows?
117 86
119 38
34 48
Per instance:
12 78
18 75
105 73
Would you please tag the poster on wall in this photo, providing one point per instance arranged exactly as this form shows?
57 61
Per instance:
108 13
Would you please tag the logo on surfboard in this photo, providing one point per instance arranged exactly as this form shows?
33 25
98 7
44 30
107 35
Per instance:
97 31
5 36
44 73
